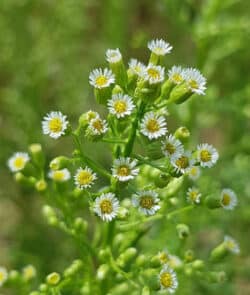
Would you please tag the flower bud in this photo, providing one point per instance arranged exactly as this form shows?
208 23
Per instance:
155 261
102 272
74 268
26 181
104 255
183 230
118 240
217 277
150 276
53 279
145 291
59 163
43 288
37 154
182 133
86 289
198 264
41 185
166 89
219 253
29 272
162 180
120 289
189 255
120 72
126 257
141 260
80 224
180 94
13 276
102 95
213 202
122 213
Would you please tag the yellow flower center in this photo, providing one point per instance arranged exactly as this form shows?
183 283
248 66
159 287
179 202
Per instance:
193 84
205 156
137 69
101 81
147 202
58 175
193 195
163 257
84 177
120 106
19 162
98 125
153 73
153 125
230 245
166 280
226 199
177 78
106 206
29 272
2 276
182 162
170 148
123 171
91 115
55 125
193 171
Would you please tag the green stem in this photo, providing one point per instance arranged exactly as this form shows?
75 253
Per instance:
114 140
178 211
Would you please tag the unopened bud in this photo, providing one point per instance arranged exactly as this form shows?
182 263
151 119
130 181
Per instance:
183 230
59 163
102 272
53 279
182 133
41 185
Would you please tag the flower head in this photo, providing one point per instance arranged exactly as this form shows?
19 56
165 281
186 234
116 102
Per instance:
54 124
18 161
113 55
98 126
125 169
29 272
146 201
193 195
228 199
154 74
168 279
231 245
100 78
172 147
195 81
84 177
176 74
3 275
207 155
120 105
183 162
137 67
159 47
194 172
60 175
106 206
153 125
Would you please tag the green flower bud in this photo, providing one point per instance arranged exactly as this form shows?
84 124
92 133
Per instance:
120 72
155 261
14 276
166 89
182 133
28 272
141 260
122 213
183 230
59 163
126 257
41 185
150 277
26 181
53 279
120 289
189 255
216 277
37 154
162 180
74 268
198 264
118 240
173 186
80 224
102 95
180 94
213 202
86 289
104 255
43 288
219 253
145 291
102 272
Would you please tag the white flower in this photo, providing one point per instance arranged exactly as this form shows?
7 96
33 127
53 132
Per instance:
54 124
60 175
125 169
172 147
168 279
18 161
193 195
98 126
159 47
113 55
153 125
176 74
106 206
228 199
3 275
194 172
137 67
154 74
146 201
84 177
120 105
183 162
29 272
231 245
207 155
195 81
100 78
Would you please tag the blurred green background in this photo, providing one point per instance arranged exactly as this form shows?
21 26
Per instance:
48 48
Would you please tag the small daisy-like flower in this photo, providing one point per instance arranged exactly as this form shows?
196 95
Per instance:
54 124
106 206
29 272
231 245
172 260
159 47
120 105
207 155
100 78
146 201
125 169
154 74
194 172
195 81
98 126
153 125
183 162
18 161
60 175
193 195
168 279
113 55
137 67
228 199
84 177
3 275
172 147
176 74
